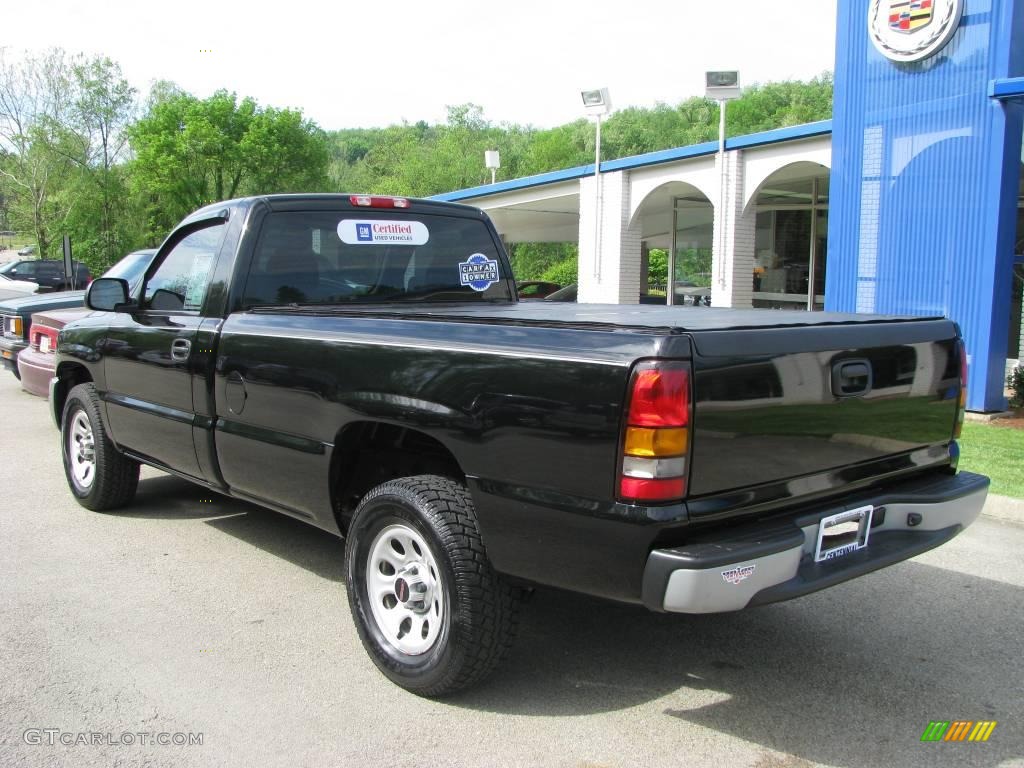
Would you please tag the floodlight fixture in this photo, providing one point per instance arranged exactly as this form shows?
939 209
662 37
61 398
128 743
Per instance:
492 161
596 101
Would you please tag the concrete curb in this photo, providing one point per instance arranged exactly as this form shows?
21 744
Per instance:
1004 508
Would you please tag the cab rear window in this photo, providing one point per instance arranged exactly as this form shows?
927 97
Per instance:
344 257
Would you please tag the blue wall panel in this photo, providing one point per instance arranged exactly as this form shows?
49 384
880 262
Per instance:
925 168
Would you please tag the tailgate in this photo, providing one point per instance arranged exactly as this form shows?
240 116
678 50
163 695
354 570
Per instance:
772 405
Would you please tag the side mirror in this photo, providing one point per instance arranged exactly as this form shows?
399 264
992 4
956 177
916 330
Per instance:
108 294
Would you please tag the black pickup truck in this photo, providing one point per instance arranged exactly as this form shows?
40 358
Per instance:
361 363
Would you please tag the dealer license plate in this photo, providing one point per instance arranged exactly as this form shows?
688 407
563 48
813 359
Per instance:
844 533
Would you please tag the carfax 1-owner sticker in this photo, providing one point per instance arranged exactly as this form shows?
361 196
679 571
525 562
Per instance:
478 272
380 232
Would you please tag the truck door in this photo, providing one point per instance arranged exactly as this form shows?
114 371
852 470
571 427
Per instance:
150 355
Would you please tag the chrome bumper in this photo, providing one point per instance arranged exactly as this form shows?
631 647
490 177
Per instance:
773 562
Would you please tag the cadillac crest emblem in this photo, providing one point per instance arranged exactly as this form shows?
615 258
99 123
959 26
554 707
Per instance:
911 30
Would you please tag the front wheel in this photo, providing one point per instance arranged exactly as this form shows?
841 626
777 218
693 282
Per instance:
431 612
98 475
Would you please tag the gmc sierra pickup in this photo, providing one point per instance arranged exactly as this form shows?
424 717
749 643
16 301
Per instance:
361 363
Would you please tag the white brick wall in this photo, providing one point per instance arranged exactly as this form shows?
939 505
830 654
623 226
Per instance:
1020 353
619 281
732 271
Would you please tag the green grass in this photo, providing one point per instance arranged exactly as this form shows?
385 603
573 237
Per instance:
16 242
998 452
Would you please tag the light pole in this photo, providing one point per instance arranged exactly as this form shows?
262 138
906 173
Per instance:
723 87
492 160
597 103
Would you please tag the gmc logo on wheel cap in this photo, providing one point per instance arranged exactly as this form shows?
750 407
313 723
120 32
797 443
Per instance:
736 575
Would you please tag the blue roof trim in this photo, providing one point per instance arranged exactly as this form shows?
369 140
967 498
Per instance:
551 177
662 156
1006 88
806 131
792 133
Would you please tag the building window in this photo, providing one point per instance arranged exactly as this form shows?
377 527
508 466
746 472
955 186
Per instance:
790 246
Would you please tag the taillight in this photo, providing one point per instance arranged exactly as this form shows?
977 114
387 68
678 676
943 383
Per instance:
43 338
378 201
13 327
962 406
656 444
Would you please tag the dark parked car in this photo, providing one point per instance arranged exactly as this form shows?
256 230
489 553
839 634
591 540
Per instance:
564 294
535 289
49 273
16 313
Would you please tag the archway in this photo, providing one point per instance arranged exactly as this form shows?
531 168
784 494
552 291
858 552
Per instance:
676 225
791 237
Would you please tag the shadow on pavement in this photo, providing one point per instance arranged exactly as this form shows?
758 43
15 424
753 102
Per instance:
850 676
308 547
171 498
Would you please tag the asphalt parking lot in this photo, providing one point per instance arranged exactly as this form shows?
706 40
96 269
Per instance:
186 614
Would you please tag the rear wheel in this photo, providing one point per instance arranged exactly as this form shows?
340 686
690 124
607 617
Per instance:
98 475
430 610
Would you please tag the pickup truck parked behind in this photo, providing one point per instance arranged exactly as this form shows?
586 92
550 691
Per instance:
362 363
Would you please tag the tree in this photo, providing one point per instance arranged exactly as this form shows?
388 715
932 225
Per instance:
35 96
657 266
101 225
62 121
190 152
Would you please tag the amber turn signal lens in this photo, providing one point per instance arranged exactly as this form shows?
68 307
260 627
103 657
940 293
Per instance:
641 441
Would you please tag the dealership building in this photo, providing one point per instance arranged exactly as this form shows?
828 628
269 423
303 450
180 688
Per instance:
909 201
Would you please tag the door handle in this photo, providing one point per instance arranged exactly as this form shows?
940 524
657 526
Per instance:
852 378
180 349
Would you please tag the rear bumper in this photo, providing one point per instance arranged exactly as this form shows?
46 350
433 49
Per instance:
773 561
36 370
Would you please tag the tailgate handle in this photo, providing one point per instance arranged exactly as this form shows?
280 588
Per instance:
851 378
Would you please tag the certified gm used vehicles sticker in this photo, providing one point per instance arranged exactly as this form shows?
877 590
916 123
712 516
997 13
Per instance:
377 232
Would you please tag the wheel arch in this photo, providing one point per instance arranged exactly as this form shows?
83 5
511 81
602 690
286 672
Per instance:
69 376
368 453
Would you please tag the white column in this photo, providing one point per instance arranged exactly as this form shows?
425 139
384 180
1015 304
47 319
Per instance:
616 280
732 278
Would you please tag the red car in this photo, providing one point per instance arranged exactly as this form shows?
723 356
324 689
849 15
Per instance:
36 361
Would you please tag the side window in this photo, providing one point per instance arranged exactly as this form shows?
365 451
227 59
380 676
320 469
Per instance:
180 281
27 269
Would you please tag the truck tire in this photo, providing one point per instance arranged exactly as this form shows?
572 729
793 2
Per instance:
430 610
98 475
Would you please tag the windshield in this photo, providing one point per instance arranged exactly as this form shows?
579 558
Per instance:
131 267
8 267
363 256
